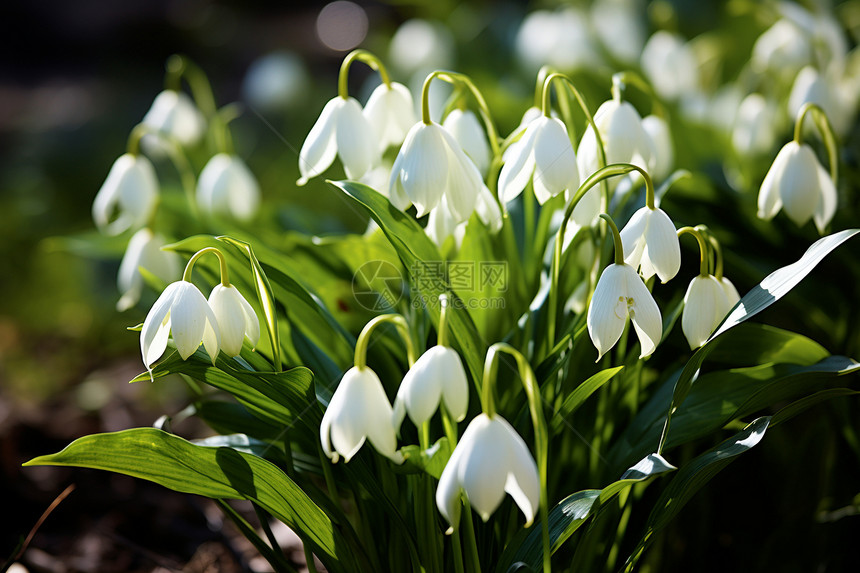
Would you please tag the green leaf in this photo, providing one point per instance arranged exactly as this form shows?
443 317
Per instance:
582 392
232 418
431 461
414 248
219 473
572 512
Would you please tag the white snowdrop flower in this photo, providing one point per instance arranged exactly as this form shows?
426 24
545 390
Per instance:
236 319
732 296
391 112
754 128
670 65
562 39
664 152
128 197
226 187
488 210
621 27
782 48
797 183
705 306
441 224
544 155
175 115
620 294
491 459
431 164
419 45
624 139
810 86
144 251
181 310
342 131
437 376
651 243
467 130
359 410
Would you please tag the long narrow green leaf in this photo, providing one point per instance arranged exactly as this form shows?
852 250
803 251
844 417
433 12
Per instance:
576 398
219 473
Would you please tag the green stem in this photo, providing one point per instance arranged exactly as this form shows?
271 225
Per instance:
715 249
221 122
472 542
359 56
827 135
225 275
621 80
331 486
541 79
703 248
442 332
616 239
364 338
178 67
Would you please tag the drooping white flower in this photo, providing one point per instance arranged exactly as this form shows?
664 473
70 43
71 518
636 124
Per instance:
825 91
753 131
175 115
651 243
705 306
467 131
431 164
670 65
621 27
797 183
782 48
488 210
544 155
227 187
562 39
441 224
128 197
181 310
342 131
732 296
359 410
624 139
236 319
391 112
664 152
620 294
490 460
438 375
144 251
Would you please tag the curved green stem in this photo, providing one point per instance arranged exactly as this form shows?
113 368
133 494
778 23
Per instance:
542 74
221 122
530 385
456 78
827 135
616 239
703 248
621 80
364 338
359 56
178 67
225 275
715 249
133 144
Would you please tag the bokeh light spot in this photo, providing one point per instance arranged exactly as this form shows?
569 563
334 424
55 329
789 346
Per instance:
342 25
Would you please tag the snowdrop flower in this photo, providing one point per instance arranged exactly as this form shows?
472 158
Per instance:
144 251
359 410
562 39
754 126
732 296
236 319
543 154
670 65
227 187
651 244
467 131
624 139
490 459
419 45
391 112
175 115
130 191
621 28
488 210
620 294
705 306
431 164
341 130
438 375
823 90
797 183
664 153
441 224
183 311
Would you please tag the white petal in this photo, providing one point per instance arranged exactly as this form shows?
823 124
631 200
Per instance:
769 197
230 315
662 246
156 326
455 386
488 210
345 412
128 277
732 296
826 207
356 140
482 472
607 313
555 160
467 130
799 186
705 304
644 313
188 318
252 322
523 481
633 237
664 154
378 417
464 180
320 148
587 210
519 166
421 388
423 171
448 490
391 112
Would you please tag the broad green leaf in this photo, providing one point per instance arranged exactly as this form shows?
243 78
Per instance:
219 473
232 418
244 443
571 513
416 251
431 461
772 288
